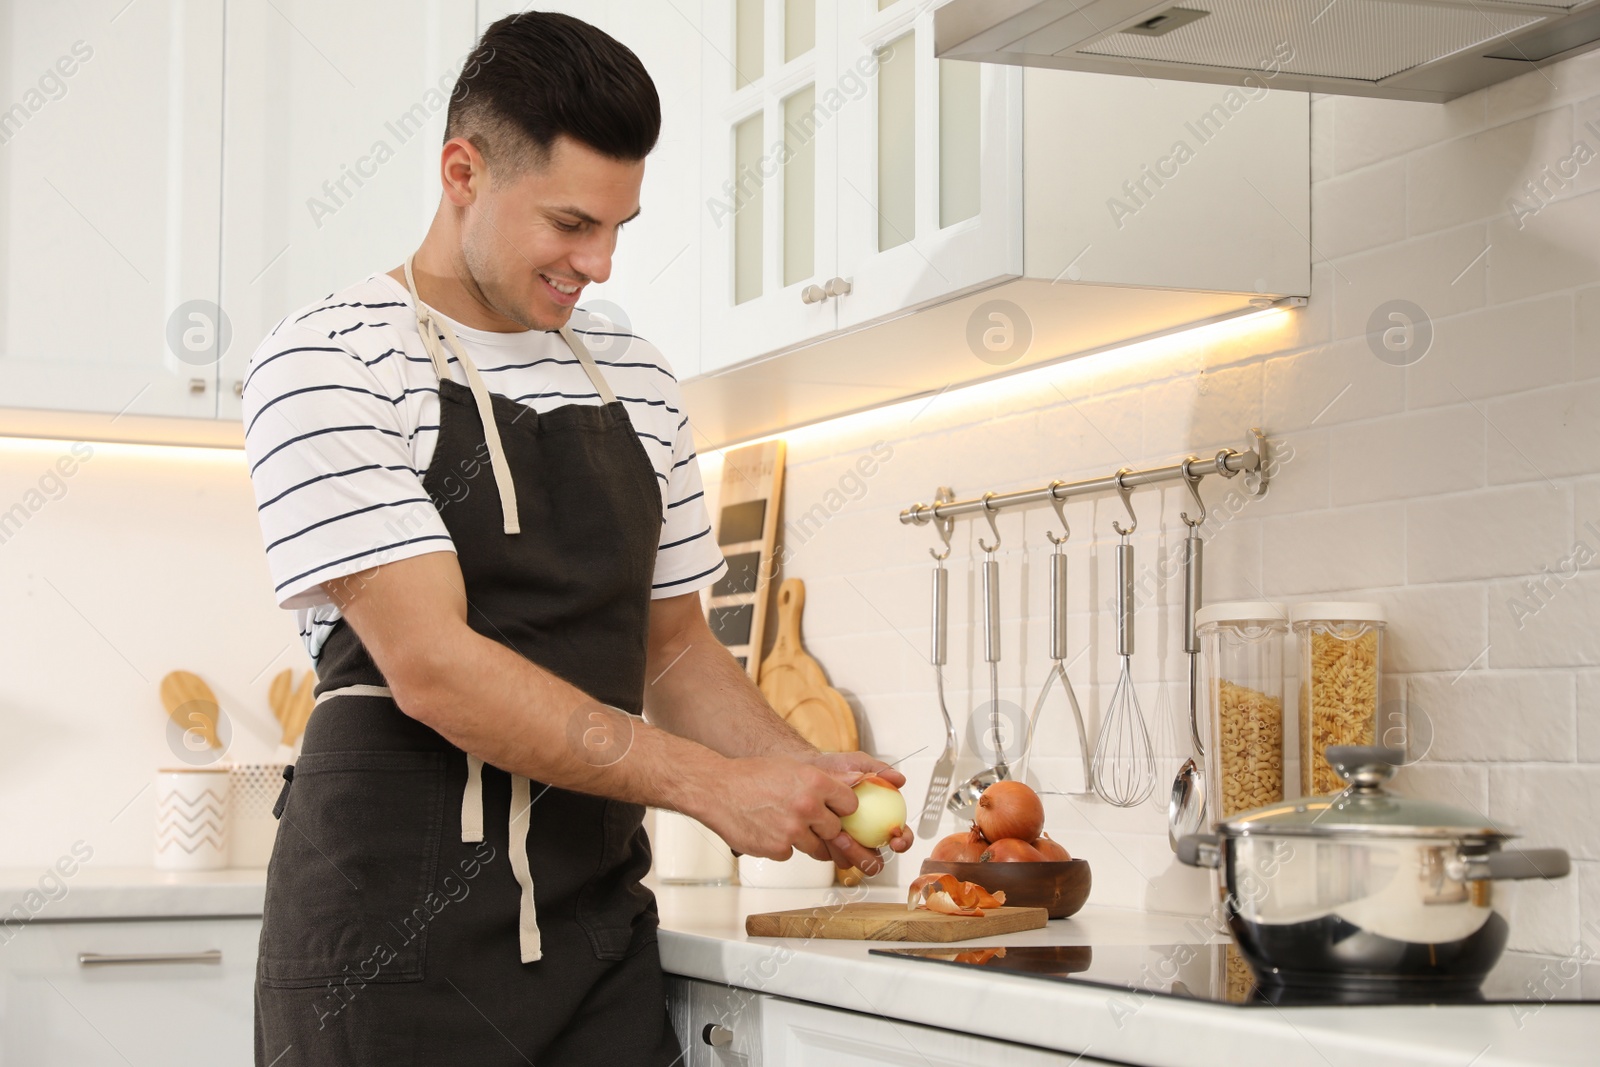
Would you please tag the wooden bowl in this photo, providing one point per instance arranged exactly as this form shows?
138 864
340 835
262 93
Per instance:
1059 887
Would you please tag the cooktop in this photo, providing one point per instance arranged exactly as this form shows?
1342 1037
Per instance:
1217 973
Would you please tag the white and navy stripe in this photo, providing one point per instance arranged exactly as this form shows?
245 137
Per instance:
341 409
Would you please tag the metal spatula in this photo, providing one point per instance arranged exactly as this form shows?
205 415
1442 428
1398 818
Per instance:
939 784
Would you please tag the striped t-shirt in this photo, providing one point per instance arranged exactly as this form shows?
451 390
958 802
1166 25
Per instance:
341 414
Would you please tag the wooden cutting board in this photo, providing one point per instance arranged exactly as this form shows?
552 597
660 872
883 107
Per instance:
747 533
890 921
796 687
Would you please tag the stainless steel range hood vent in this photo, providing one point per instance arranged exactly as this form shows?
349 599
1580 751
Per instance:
1417 50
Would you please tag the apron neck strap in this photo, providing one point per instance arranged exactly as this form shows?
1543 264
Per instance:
430 325
596 379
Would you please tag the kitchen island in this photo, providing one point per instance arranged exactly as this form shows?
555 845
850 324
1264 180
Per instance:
779 1002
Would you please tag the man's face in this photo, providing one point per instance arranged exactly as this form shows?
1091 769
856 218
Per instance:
532 242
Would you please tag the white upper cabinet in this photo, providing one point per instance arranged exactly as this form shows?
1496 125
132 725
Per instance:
930 161
335 114
772 96
110 146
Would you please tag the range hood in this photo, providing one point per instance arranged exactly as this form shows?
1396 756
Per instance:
1432 50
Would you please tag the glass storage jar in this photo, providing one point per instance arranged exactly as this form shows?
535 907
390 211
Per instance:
1241 647
1341 664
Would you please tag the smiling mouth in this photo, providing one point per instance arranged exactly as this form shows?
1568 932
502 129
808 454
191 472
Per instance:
564 288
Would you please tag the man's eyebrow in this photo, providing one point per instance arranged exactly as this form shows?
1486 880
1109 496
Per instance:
588 219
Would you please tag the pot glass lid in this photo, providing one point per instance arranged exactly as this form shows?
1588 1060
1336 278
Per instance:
1365 807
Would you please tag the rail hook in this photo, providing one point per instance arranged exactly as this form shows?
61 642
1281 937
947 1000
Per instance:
1061 513
1124 492
945 526
1192 480
988 513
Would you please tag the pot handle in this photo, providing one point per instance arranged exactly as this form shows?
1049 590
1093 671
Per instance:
1520 863
1201 850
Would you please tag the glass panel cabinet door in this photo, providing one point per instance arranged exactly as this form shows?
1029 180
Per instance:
930 178
335 115
773 103
110 145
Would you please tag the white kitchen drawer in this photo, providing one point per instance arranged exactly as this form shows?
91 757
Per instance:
704 1012
56 1011
804 1035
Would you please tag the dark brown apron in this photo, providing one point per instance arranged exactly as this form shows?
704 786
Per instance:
403 926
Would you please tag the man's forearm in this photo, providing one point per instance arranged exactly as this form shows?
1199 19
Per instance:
697 690
517 716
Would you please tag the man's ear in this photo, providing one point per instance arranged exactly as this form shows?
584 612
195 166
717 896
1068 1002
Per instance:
462 172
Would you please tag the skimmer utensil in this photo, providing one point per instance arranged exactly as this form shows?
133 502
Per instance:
939 783
1124 764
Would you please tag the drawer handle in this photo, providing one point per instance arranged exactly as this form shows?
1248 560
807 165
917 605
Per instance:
716 1036
100 959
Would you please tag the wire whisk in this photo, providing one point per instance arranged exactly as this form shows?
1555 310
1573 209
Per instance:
1124 763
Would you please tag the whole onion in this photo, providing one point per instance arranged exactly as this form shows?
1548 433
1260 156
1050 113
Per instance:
1010 850
1050 850
1010 809
961 847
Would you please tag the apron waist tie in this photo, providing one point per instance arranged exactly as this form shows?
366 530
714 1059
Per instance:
472 827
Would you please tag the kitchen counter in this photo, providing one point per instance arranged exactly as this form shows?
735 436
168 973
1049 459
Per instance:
702 936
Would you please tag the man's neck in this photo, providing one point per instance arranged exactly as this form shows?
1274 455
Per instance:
447 287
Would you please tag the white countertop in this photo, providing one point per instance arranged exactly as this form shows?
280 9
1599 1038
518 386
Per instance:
702 936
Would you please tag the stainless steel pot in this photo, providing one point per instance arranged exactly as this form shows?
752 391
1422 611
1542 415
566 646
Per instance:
1366 889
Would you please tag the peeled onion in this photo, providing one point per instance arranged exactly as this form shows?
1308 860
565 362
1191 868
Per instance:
962 847
1011 850
1010 809
1051 850
880 811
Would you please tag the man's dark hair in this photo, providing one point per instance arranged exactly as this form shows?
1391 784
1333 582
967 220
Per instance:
537 76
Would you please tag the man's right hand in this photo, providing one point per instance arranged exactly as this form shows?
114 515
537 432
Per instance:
769 806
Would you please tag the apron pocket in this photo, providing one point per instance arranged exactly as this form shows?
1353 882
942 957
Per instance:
350 893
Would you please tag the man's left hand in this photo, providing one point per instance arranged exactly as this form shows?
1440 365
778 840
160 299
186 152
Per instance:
850 768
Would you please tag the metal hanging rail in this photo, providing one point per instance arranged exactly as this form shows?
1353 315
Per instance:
1227 463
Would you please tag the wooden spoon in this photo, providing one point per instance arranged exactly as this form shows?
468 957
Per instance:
191 704
278 695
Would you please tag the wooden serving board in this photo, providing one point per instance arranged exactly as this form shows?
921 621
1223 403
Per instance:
747 532
890 921
795 685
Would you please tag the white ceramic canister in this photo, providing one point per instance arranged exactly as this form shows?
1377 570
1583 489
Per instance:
191 818
686 852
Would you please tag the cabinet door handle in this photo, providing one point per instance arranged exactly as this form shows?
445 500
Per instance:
838 287
100 959
716 1036
813 294
197 386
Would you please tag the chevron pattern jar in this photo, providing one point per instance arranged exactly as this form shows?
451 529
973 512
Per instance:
191 819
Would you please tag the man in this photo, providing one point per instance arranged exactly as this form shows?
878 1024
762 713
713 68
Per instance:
495 543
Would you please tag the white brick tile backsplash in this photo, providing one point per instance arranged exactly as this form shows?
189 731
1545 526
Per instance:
1586 334
1490 533
1508 348
1547 433
1330 384
1366 131
1556 249
1555 623
1491 716
1542 914
1543 89
1588 716
1468 179
1359 210
1433 628
1553 806
1457 784
1402 456
1334 551
1441 272
1201 413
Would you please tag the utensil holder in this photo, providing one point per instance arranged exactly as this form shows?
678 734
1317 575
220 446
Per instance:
191 819
253 789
